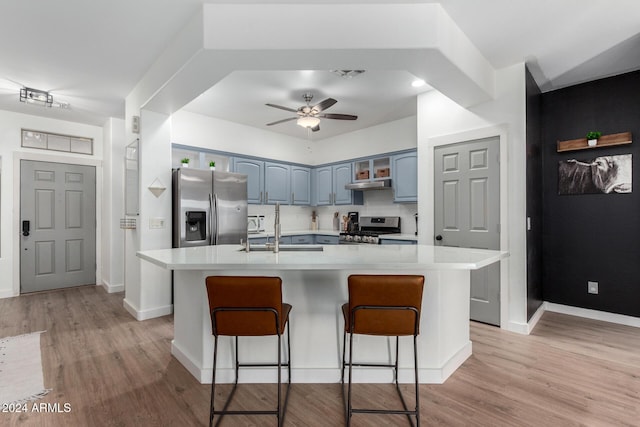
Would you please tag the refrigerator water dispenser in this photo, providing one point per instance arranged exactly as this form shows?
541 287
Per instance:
196 226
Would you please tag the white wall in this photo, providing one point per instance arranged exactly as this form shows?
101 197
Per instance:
11 153
440 121
207 132
113 210
392 136
148 287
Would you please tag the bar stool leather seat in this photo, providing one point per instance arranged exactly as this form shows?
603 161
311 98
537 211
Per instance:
248 306
382 305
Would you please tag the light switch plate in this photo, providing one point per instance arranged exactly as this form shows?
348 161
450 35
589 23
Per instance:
592 287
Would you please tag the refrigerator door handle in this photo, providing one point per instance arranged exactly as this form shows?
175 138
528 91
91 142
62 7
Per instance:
215 206
212 212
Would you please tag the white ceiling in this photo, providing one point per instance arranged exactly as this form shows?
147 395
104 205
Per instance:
374 96
91 54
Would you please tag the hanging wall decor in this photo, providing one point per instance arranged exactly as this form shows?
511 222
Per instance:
605 174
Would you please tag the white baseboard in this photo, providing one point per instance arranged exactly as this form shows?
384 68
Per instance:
7 294
147 314
439 376
518 327
587 313
202 375
111 289
535 318
321 375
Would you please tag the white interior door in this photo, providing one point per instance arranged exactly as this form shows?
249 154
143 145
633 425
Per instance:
467 213
58 225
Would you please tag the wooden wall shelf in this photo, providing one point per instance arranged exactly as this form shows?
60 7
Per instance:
603 141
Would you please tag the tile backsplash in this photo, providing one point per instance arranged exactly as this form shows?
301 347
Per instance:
376 203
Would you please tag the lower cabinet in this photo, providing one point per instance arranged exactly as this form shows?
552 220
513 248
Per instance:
306 239
300 239
398 242
324 239
257 240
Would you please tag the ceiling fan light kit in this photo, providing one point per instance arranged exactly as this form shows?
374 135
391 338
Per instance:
309 116
308 122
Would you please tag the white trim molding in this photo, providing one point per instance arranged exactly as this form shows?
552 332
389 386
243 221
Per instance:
604 316
147 314
112 289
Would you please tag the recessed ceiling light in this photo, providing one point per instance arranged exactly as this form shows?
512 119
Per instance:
418 83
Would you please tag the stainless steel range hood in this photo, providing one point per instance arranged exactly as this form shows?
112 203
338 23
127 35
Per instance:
381 184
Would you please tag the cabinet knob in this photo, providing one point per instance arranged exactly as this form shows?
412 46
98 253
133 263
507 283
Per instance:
438 237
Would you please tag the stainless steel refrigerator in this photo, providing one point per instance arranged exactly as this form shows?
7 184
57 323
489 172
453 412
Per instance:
209 208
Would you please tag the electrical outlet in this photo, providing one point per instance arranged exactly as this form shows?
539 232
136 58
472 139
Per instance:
156 223
592 287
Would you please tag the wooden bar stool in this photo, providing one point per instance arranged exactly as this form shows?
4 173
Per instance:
248 306
384 305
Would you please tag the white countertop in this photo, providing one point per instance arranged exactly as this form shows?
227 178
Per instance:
333 257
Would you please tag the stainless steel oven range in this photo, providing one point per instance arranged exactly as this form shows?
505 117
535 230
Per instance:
371 227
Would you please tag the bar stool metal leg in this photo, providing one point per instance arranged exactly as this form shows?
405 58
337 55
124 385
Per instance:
384 306
349 410
234 314
280 412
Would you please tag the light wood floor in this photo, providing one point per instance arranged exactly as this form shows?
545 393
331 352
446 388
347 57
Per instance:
116 371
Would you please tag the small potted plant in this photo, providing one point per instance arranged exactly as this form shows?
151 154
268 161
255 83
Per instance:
592 138
212 166
185 162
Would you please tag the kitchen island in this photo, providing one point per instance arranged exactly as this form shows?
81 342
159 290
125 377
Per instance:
315 283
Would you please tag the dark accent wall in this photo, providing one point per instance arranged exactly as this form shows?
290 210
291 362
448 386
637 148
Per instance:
534 196
595 236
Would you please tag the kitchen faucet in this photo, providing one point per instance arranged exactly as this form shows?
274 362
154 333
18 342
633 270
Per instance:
275 246
276 230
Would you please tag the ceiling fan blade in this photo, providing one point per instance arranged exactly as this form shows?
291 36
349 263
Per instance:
323 105
338 116
281 121
316 128
282 108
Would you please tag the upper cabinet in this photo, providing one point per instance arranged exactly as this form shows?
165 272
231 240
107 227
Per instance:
300 185
342 177
374 168
277 183
324 185
271 182
329 186
254 169
404 168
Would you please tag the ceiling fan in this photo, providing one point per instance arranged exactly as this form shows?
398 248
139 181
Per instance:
309 116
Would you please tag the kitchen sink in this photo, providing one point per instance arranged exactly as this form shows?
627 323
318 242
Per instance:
286 248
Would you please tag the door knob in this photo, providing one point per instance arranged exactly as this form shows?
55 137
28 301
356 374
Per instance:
438 237
25 228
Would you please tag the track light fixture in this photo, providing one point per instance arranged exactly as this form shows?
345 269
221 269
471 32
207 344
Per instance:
40 97
35 96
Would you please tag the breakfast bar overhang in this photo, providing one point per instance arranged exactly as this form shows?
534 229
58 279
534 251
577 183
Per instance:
315 284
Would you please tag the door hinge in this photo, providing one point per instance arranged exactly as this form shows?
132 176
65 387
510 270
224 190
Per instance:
499 229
